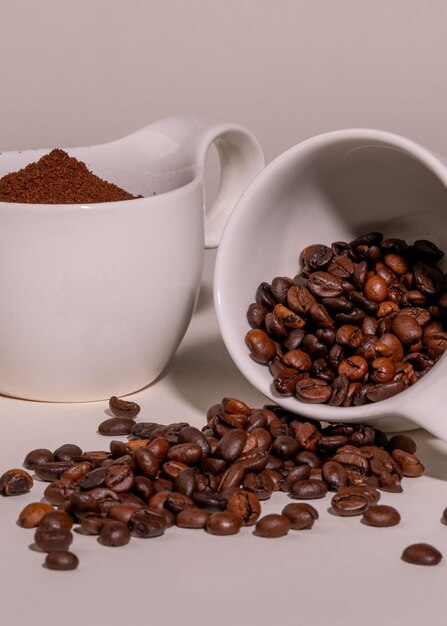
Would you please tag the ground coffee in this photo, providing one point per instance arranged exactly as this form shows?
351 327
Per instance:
58 178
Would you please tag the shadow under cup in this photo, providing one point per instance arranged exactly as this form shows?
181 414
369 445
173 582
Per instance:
333 187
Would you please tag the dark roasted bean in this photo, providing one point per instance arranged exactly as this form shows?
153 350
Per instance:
272 526
114 534
309 489
246 505
54 539
32 514
36 457
223 523
67 452
381 515
146 524
421 554
61 560
123 408
402 442
300 515
116 426
192 518
15 482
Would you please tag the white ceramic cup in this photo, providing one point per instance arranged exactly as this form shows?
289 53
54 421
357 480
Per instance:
329 188
96 298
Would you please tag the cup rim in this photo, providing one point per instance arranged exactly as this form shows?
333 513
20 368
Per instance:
251 370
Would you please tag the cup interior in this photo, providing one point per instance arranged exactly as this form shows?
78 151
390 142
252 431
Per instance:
330 188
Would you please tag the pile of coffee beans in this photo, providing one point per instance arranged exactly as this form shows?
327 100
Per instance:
214 479
360 323
58 178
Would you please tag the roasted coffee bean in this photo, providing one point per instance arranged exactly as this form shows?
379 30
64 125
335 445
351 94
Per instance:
144 430
265 297
354 368
192 518
36 457
349 504
246 505
318 257
256 315
300 515
402 442
223 523
427 250
116 426
376 289
354 317
409 464
55 539
188 453
428 278
146 462
15 482
383 391
334 475
299 472
231 445
120 478
313 346
52 470
381 515
363 303
231 477
383 370
309 489
32 514
436 344
260 484
286 379
350 336
275 327
67 452
262 348
211 502
285 446
56 520
421 554
340 388
406 329
144 523
58 492
91 523
272 526
325 285
279 288
342 267
312 390
61 560
331 443
123 408
114 534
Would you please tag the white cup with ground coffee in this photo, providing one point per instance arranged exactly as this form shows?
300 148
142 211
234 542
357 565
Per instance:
334 188
99 281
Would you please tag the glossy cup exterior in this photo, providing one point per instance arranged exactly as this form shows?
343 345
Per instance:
329 188
96 298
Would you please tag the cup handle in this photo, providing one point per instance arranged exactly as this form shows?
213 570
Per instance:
241 159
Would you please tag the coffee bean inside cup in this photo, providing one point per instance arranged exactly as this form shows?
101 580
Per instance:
361 322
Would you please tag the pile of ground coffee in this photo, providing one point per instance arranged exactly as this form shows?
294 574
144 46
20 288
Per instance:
58 178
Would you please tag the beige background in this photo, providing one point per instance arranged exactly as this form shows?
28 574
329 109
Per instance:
74 73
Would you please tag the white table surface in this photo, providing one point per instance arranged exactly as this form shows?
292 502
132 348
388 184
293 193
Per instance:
339 573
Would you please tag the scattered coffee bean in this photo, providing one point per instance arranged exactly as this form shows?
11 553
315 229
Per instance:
55 539
272 526
216 478
15 482
36 457
123 408
114 534
300 515
224 523
421 554
115 426
32 514
61 560
381 515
